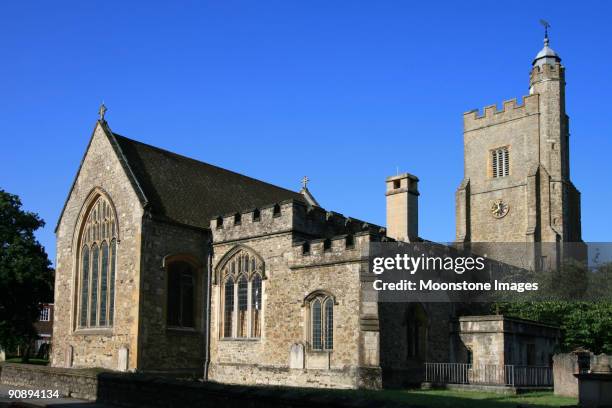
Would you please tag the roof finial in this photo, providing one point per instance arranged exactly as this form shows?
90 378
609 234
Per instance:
102 111
546 26
305 181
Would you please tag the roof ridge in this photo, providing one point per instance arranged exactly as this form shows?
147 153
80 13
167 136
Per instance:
200 162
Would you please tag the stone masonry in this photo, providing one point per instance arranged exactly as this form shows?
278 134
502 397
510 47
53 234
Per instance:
101 172
542 204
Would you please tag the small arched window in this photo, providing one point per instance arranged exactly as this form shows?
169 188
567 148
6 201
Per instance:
97 265
321 321
240 275
181 296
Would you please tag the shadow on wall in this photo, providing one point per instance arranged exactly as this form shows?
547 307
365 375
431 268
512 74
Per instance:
406 333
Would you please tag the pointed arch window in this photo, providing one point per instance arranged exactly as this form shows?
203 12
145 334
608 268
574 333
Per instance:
241 275
97 265
321 321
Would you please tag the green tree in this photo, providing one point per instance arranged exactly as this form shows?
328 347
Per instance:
26 276
582 324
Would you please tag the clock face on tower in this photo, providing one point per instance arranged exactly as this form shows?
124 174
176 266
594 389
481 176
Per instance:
499 208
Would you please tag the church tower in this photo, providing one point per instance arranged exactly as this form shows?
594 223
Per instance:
516 185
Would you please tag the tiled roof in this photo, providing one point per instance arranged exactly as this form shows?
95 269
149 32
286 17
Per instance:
191 192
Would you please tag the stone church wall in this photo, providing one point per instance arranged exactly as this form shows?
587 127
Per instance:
399 367
289 277
98 347
164 348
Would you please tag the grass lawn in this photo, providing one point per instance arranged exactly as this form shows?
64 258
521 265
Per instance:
36 361
468 399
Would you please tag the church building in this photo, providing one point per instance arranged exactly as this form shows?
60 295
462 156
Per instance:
166 264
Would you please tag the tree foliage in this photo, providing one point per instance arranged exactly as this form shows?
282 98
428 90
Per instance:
582 324
26 276
574 297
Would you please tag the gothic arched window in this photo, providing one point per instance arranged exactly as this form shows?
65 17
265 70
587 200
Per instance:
240 276
321 320
97 260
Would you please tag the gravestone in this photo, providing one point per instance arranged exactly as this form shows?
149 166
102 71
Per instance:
69 356
123 359
296 356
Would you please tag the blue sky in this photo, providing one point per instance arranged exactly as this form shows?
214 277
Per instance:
345 92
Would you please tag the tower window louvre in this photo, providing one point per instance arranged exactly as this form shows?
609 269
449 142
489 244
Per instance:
500 162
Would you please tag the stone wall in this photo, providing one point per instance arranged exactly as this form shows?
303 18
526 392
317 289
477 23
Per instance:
164 348
399 366
126 389
101 170
70 382
289 277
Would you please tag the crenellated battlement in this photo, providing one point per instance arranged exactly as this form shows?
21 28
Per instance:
269 219
510 111
547 71
334 250
287 216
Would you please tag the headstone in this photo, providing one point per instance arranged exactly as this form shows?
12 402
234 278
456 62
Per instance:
69 356
123 359
2 354
296 356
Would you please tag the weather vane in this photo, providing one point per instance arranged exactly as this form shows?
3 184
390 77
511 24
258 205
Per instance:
102 111
305 181
546 26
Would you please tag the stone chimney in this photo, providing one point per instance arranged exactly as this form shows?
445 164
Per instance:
403 207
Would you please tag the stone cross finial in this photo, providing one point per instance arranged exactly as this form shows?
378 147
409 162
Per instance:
102 111
305 181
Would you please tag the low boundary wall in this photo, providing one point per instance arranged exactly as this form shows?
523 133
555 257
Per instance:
142 390
70 382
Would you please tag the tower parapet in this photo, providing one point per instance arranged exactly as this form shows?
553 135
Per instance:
473 120
547 71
